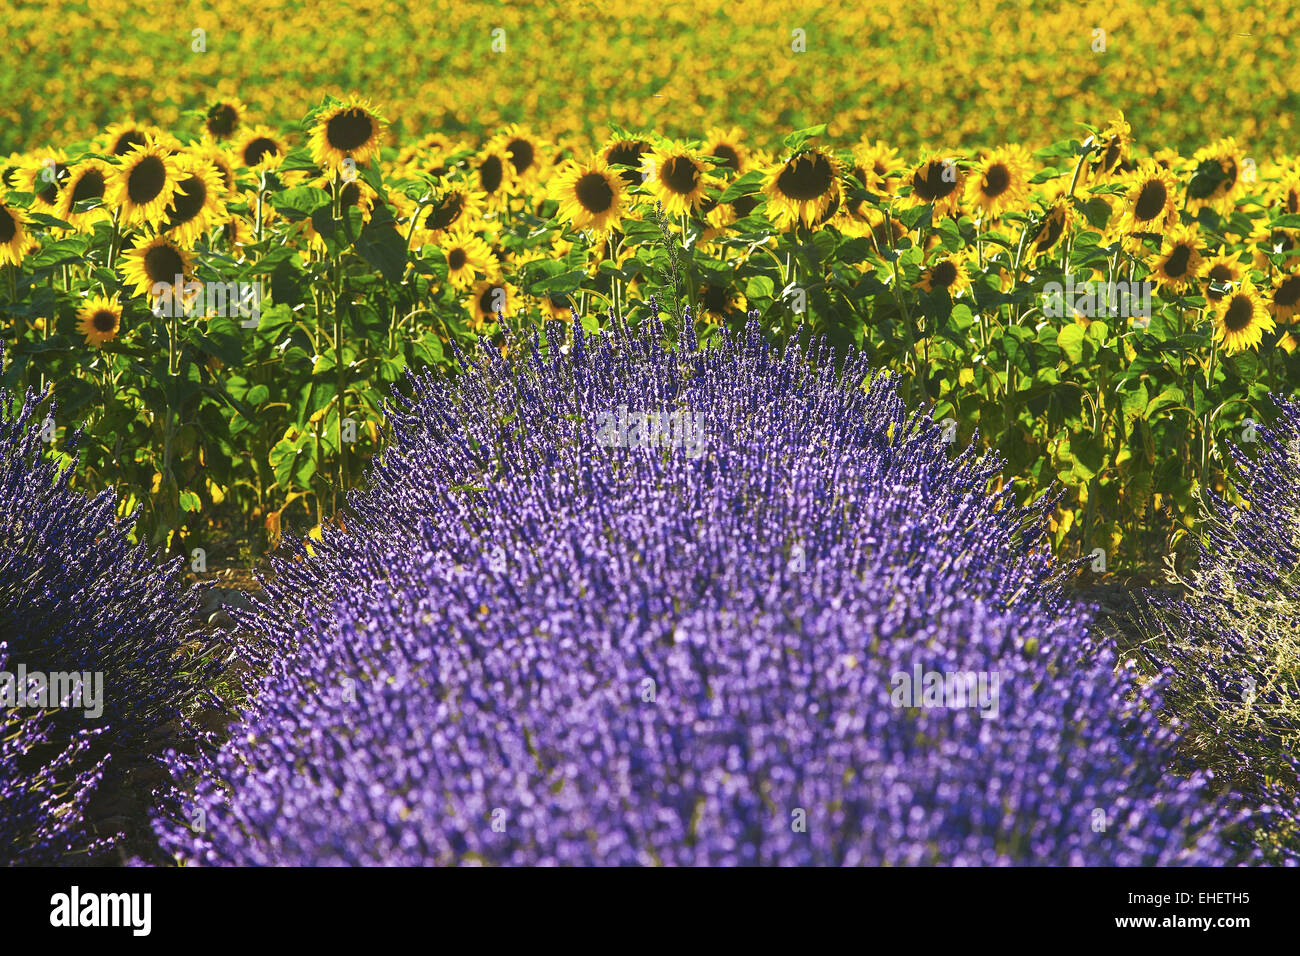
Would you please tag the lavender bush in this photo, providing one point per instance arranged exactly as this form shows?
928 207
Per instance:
1231 646
78 599
556 630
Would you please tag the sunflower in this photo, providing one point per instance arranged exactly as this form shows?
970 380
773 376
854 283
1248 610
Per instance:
221 161
1274 247
591 195
144 184
558 305
1114 142
885 231
413 153
1220 270
492 175
947 273
1166 158
1000 182
1149 206
676 177
14 241
357 194
528 154
728 148
717 217
1179 263
237 232
155 261
1218 171
722 303
120 138
10 169
260 149
223 118
488 298
44 176
99 320
1286 296
1054 224
1289 194
1241 319
629 153
937 180
87 181
351 130
197 203
456 203
468 256
803 189
874 166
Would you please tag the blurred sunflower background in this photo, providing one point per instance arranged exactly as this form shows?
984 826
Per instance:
923 73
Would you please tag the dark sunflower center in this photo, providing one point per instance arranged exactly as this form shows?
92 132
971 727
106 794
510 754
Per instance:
805 177
89 186
594 193
128 141
104 321
996 180
186 207
521 153
627 154
1176 265
1112 154
445 213
943 275
146 180
50 191
680 175
221 120
349 129
163 264
930 183
744 205
1220 274
715 299
1240 312
8 226
351 195
490 174
1051 230
1150 201
260 148
730 158
1288 293
456 259
486 303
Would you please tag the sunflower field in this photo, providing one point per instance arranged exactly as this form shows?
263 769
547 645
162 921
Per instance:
254 272
224 313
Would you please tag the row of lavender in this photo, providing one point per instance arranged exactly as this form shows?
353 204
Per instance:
95 677
611 602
